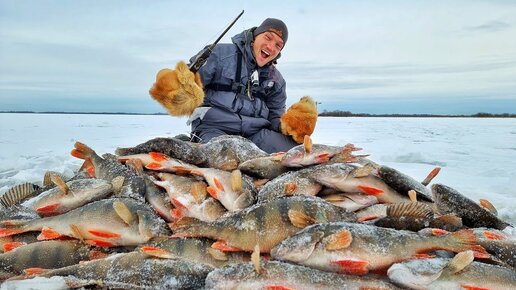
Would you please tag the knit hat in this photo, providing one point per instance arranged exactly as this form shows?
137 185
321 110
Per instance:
273 25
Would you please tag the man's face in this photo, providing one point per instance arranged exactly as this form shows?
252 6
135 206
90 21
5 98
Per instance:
266 47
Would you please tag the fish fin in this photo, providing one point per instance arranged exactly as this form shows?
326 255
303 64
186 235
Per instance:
307 144
277 287
159 157
367 218
34 271
212 191
94 255
48 234
218 184
184 222
236 180
431 176
223 246
17 193
322 158
290 188
339 240
217 254
178 204
123 211
9 246
153 166
156 252
488 205
451 219
277 156
334 198
362 171
6 232
439 232
46 178
466 240
100 243
492 235
88 166
353 267
181 170
117 183
76 232
460 261
143 226
244 200
59 182
196 172
48 208
229 165
104 234
423 256
410 209
199 191
473 287
177 213
255 258
412 195
370 190
299 219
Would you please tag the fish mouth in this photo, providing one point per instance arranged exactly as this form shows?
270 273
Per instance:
405 276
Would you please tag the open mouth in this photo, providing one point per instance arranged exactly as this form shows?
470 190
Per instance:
265 54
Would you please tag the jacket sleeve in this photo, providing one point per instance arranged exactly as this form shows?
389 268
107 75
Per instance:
277 105
207 71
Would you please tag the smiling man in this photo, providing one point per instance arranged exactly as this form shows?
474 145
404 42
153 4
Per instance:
244 93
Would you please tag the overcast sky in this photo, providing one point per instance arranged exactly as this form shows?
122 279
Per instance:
442 57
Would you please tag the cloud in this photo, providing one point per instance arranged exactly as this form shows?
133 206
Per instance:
491 26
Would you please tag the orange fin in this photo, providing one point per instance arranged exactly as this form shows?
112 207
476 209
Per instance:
94 255
277 287
473 287
153 166
48 208
488 206
6 232
99 243
367 218
48 234
156 252
339 240
34 271
87 166
222 246
218 184
493 236
104 234
290 188
212 191
431 176
439 232
321 158
354 267
300 219
12 245
370 190
156 156
176 213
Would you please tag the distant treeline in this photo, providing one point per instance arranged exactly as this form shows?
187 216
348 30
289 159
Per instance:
82 113
339 113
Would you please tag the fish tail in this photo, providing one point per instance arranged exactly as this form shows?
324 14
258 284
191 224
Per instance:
82 151
465 240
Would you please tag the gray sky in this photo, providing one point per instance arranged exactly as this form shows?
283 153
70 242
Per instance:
442 57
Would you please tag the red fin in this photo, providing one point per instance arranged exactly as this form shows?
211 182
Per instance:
218 184
156 252
493 236
78 154
34 271
48 234
48 208
177 203
221 245
353 267
88 167
153 166
370 190
290 188
99 243
439 232
466 240
212 191
176 213
6 232
472 287
104 234
12 245
158 156
424 256
367 218
321 158
94 255
180 170
276 287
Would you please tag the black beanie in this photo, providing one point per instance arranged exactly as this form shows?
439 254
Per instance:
273 25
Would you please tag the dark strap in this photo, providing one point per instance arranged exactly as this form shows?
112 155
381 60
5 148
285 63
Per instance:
236 86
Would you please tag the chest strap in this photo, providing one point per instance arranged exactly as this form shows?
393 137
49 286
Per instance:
236 86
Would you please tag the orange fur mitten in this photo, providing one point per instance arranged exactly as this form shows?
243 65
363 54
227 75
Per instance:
179 91
300 119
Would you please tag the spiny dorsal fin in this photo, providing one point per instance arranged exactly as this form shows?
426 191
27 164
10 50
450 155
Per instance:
217 254
307 144
123 211
47 181
17 194
431 176
117 183
460 261
488 205
77 232
299 219
199 191
255 258
59 182
236 180
338 240
411 209
412 195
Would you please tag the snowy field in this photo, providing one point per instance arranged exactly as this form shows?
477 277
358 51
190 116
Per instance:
477 156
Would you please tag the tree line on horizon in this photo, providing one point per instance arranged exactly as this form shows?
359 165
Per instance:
339 113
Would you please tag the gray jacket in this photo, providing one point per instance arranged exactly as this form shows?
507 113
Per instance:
248 111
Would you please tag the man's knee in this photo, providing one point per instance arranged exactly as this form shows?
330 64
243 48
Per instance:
272 141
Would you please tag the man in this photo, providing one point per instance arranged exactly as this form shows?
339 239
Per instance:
244 93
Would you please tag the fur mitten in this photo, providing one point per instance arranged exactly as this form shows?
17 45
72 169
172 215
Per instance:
300 119
179 91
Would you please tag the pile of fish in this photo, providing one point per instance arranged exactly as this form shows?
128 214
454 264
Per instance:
170 214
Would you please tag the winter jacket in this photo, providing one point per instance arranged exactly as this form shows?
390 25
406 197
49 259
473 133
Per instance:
239 113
